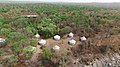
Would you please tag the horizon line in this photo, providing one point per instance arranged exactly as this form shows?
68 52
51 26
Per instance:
57 2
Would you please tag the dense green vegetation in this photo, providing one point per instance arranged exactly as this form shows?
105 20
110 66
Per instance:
53 19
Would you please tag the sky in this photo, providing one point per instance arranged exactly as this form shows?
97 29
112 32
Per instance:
86 1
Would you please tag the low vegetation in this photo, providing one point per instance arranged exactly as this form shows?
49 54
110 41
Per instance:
53 19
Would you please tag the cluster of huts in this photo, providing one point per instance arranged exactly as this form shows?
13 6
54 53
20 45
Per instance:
55 48
42 42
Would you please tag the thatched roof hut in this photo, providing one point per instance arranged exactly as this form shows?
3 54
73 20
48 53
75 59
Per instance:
30 14
2 42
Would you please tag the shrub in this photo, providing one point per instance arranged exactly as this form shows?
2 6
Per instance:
31 29
7 26
2 52
47 54
104 48
5 31
17 47
10 60
1 24
63 60
65 30
28 51
114 31
33 42
2 19
14 36
19 23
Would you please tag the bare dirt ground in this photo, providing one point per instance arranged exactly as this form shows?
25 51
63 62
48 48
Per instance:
113 40
63 43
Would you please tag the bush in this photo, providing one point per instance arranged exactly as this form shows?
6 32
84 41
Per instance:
31 29
5 31
2 52
1 24
19 23
18 45
114 31
65 30
14 36
63 60
33 42
28 51
104 48
47 54
10 60
2 19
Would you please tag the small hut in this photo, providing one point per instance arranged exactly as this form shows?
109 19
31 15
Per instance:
56 48
30 15
42 42
72 42
56 37
2 42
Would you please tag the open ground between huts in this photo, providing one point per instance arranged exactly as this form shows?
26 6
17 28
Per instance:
84 51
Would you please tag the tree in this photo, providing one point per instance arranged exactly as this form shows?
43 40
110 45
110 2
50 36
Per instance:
46 27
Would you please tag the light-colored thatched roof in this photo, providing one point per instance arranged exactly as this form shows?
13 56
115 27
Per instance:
29 14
